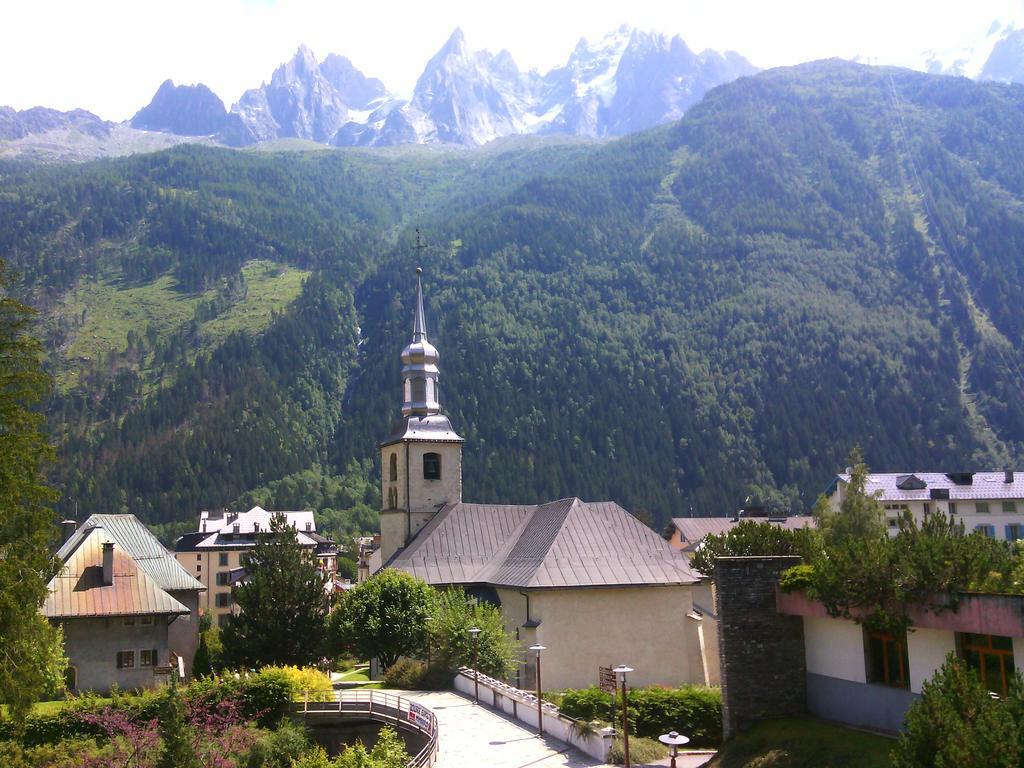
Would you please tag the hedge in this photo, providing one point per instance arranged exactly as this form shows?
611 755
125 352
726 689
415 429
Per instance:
693 711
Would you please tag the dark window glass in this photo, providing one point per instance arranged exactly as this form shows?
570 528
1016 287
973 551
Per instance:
393 468
992 657
431 466
887 659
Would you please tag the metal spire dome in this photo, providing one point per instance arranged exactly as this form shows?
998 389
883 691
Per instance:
419 364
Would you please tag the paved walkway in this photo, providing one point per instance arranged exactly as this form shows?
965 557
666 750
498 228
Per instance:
475 736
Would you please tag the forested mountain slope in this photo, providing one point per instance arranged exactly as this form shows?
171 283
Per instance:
813 258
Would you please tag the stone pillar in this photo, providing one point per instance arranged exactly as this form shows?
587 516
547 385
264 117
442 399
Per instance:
761 652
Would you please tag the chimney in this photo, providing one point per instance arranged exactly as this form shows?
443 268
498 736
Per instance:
108 563
1008 476
67 530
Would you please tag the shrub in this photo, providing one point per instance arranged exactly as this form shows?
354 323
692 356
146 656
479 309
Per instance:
302 682
796 578
641 750
692 710
587 704
411 675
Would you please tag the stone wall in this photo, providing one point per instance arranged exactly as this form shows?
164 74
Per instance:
761 651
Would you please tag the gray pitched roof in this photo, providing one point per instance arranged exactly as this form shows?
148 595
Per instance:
696 528
983 486
562 544
139 542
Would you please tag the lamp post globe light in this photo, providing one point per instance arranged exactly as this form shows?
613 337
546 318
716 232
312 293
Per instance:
475 632
623 670
540 711
674 741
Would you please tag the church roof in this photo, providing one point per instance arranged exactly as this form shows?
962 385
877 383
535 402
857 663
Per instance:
561 544
435 428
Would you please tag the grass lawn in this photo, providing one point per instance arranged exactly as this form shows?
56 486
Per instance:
48 707
804 743
356 675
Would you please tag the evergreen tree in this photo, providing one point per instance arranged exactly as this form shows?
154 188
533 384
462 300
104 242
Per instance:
32 659
282 604
860 514
957 724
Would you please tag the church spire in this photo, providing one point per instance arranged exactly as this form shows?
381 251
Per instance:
419 363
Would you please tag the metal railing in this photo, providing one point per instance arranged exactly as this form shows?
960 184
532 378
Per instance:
382 707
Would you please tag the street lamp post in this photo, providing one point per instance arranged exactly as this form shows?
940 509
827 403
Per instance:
475 632
622 669
675 741
540 711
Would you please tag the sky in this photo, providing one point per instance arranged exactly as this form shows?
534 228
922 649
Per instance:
109 56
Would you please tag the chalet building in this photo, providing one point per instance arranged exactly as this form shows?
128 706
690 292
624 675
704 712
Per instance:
989 502
587 580
213 554
129 611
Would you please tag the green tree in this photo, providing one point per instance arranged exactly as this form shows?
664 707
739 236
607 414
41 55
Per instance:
282 604
957 724
454 616
384 617
31 658
388 752
749 538
176 750
860 514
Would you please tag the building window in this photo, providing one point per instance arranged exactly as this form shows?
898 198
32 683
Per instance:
223 599
1014 531
129 621
986 530
393 468
222 558
1009 507
147 657
952 507
223 619
126 659
199 568
927 508
236 528
146 621
431 466
992 657
222 578
198 558
981 507
887 659
392 498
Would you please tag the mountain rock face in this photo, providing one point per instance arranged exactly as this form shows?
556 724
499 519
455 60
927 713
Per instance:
1006 62
186 110
627 81
17 125
305 99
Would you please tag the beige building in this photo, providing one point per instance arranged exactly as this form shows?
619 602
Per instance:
588 581
213 554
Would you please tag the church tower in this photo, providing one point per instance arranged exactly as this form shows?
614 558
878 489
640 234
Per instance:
421 461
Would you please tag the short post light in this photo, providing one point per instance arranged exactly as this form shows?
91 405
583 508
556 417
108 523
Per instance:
674 741
623 670
475 632
540 711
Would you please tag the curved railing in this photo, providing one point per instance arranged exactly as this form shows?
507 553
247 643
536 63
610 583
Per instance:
385 708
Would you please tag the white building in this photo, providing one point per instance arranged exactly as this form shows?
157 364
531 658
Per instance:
989 502
213 554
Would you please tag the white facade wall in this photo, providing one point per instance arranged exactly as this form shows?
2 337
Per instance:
926 651
835 648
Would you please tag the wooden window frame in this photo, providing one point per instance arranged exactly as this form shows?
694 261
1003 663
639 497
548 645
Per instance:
903 673
1007 668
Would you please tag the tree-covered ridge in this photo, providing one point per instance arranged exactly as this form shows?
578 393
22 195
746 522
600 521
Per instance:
813 258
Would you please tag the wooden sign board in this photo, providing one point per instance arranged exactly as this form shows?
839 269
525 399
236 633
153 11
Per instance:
606 679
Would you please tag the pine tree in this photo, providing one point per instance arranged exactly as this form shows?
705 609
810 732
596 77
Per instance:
32 660
282 604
